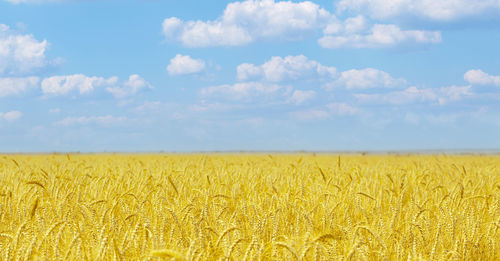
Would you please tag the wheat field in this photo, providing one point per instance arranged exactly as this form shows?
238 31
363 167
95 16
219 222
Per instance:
249 207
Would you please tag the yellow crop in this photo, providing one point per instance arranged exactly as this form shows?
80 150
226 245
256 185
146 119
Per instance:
249 207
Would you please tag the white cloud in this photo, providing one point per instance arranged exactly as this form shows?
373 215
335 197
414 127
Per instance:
202 34
279 69
61 85
261 82
364 79
133 85
245 22
453 93
15 86
481 78
248 91
251 20
353 33
409 95
299 97
444 10
289 68
87 120
11 115
20 54
413 94
247 71
183 64
349 26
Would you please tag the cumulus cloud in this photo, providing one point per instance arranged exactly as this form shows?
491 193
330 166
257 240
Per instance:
354 33
434 10
247 21
15 86
409 95
63 85
87 120
481 78
366 78
288 68
413 94
21 54
291 68
453 93
299 97
248 91
251 20
133 85
11 115
184 64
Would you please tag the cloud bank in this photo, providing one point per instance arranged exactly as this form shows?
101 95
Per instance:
245 22
292 68
248 21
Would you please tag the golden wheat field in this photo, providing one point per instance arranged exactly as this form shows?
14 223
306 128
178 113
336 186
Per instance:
249 207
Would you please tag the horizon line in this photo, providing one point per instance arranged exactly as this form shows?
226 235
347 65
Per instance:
370 152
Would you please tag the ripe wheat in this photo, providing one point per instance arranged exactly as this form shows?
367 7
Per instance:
249 207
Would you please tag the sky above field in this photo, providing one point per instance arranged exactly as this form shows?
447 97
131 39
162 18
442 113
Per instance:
171 75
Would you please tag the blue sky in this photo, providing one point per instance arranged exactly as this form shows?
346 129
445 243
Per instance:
171 75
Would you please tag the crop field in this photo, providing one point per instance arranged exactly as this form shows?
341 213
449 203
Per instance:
249 207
